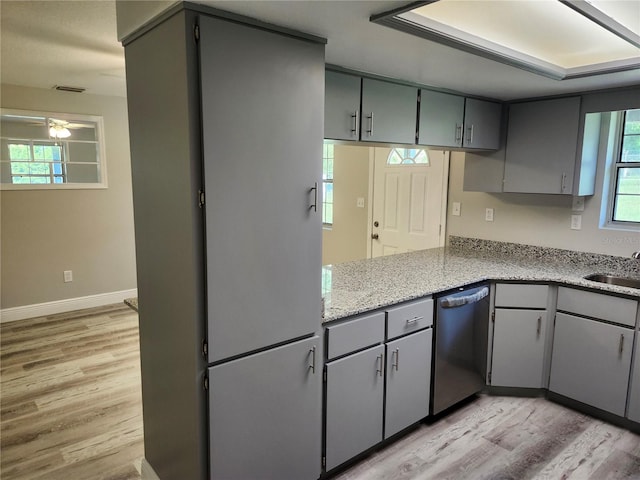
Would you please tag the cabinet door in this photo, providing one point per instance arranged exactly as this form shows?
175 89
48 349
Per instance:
482 122
265 414
408 381
441 119
389 112
341 106
591 362
633 411
541 146
518 348
263 242
354 393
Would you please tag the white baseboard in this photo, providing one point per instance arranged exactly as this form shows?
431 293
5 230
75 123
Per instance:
67 305
147 471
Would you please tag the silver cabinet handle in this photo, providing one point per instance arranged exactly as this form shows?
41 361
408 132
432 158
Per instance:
379 364
396 354
370 131
539 326
470 137
563 184
354 130
314 189
458 132
413 320
312 366
621 343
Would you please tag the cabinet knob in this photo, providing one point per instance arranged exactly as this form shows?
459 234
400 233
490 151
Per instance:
375 236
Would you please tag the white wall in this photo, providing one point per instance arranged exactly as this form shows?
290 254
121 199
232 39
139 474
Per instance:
44 232
542 220
347 239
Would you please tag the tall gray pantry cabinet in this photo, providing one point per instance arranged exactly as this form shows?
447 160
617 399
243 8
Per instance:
226 130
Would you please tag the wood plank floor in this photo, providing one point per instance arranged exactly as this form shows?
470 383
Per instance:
71 410
71 405
507 438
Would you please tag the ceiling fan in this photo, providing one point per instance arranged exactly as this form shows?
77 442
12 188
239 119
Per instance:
61 128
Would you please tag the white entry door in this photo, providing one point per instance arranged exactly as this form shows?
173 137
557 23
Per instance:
409 200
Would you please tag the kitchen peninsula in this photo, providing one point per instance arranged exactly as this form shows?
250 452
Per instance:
360 286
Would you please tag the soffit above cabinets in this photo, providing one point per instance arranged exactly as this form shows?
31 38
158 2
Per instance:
560 39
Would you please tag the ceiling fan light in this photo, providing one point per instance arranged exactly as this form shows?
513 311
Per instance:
58 131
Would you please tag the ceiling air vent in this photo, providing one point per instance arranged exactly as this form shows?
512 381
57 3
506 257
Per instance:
66 88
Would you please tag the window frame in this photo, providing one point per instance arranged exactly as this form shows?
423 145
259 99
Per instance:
326 181
614 169
71 117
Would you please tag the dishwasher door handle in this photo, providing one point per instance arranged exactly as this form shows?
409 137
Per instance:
455 301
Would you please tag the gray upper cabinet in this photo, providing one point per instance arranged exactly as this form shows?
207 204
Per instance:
342 106
259 175
389 112
441 119
408 381
482 122
542 142
265 414
448 120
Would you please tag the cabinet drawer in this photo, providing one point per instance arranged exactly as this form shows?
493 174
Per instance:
597 305
527 296
355 334
409 318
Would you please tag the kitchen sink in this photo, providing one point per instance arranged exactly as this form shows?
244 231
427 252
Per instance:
614 280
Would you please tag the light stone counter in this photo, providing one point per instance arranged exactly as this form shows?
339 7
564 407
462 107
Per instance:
355 287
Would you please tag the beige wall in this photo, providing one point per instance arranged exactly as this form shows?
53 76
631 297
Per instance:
347 239
542 220
44 232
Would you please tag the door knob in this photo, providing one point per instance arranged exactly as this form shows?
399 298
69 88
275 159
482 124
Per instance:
376 224
375 236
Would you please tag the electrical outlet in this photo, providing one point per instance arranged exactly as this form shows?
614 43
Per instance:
360 202
456 209
578 204
488 214
576 222
68 276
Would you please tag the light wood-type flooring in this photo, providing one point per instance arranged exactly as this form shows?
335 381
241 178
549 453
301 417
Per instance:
70 400
71 410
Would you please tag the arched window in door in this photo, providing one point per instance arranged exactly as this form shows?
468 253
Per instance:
408 156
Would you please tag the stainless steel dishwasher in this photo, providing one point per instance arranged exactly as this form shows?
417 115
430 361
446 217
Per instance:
460 358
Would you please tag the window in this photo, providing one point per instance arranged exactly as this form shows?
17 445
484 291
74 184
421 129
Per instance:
625 208
408 156
327 184
50 150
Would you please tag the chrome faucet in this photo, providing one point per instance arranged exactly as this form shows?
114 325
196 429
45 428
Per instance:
636 255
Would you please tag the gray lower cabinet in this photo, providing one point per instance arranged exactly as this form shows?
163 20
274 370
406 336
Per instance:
518 348
354 403
591 362
542 144
408 381
389 112
264 414
633 409
342 106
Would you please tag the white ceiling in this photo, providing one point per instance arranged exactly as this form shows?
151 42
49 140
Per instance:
75 43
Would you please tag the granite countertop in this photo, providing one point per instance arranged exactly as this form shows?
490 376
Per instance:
355 287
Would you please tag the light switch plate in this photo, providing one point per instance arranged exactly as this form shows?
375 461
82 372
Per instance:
68 276
360 202
576 222
488 215
455 210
